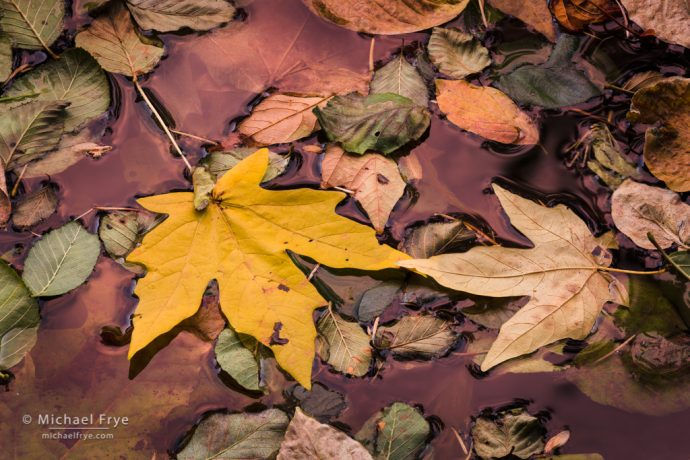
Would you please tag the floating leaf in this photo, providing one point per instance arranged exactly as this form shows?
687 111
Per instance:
436 238
5 201
172 15
423 337
387 17
560 274
398 432
666 154
575 15
514 432
379 122
534 13
32 24
281 118
237 436
374 180
375 300
218 163
120 231
241 240
237 360
5 57
681 261
608 162
61 260
117 46
650 310
557 441
35 207
574 457
399 77
343 344
538 362
670 23
307 438
19 318
320 402
638 209
456 53
203 186
485 111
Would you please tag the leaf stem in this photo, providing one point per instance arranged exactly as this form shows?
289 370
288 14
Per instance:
161 122
483 13
666 257
631 272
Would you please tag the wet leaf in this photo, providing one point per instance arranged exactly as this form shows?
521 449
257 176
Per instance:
375 300
32 24
436 238
557 441
556 83
237 436
235 358
575 15
203 186
19 318
492 313
172 15
61 260
35 207
650 310
681 260
485 111
5 57
387 17
379 122
75 78
456 53
306 438
667 102
638 209
656 356
321 403
423 337
514 432
282 118
534 13
670 22
5 201
608 162
241 240
343 344
398 432
374 180
120 231
218 163
642 80
117 46
400 77
208 322
559 274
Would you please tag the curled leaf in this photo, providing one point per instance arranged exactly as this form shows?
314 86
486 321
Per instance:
575 15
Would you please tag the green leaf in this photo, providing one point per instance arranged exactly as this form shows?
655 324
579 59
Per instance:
344 345
237 436
399 77
237 360
5 57
379 122
398 432
608 162
75 78
514 432
19 318
557 83
61 260
456 53
172 15
649 310
681 262
423 337
32 24
35 207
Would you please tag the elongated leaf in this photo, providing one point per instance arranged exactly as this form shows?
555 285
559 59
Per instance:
172 15
344 345
237 436
424 337
32 24
398 432
436 238
117 46
515 432
456 53
60 261
399 77
5 57
18 318
237 360
379 122
35 207
68 153
75 78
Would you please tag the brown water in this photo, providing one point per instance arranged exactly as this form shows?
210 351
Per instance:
206 82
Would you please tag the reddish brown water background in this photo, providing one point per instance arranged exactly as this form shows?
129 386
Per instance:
197 83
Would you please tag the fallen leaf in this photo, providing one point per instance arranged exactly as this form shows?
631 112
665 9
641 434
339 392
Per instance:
681 262
666 152
306 439
61 260
5 57
436 238
343 344
397 432
281 118
638 209
669 20
654 356
203 183
241 240
117 46
575 15
120 231
172 15
422 337
492 313
608 162
514 432
230 436
320 402
485 111
400 77
387 17
378 122
556 441
649 311
19 318
642 80
560 274
35 207
457 54
32 24
208 322
218 163
237 360
374 179
410 168
574 457
5 201
374 301
535 14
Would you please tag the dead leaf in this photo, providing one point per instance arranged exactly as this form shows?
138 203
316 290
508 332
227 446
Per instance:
35 207
456 53
5 202
400 77
534 13
556 441
343 344
668 19
642 80
575 15
422 337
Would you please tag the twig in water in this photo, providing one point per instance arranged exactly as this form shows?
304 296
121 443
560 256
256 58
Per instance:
193 136
371 54
615 350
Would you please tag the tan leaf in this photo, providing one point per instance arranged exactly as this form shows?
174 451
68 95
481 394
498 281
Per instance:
5 203
485 111
556 441
669 19
35 207
374 179
534 13
575 15
57 161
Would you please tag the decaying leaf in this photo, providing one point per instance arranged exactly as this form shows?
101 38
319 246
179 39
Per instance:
306 438
492 313
643 79
343 344
19 318
637 209
423 337
235 358
5 201
558 440
375 300
436 238
218 163
457 54
560 274
374 180
35 207
649 311
666 151
575 15
172 15
32 24
656 356
241 240
534 13
379 122
320 402
485 111
538 362
608 162
203 183
387 17
282 118
669 20
397 432
681 262
400 77
120 231
513 432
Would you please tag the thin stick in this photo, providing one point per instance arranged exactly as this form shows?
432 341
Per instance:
162 123
371 54
345 190
21 69
615 350
483 13
480 233
313 272
457 435
618 88
19 181
192 136
666 257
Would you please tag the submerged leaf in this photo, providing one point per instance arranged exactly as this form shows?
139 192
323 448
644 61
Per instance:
436 238
32 24
514 432
534 13
374 301
172 15
423 337
203 186
456 53
575 15
668 20
398 432
35 207
650 310
320 402
19 318
608 162
400 77
237 360
343 344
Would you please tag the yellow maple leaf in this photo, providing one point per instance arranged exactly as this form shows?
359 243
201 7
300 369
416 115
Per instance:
241 240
